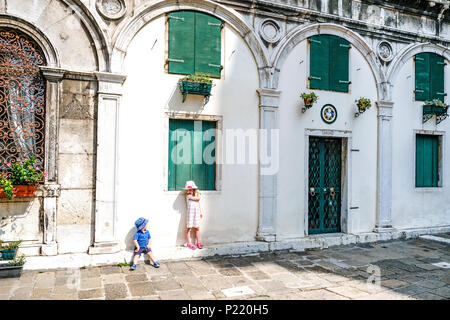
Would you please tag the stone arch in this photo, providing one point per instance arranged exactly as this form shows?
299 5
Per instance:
303 32
94 32
50 53
147 12
409 52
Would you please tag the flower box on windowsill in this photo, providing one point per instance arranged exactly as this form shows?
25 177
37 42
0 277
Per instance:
195 87
431 109
21 191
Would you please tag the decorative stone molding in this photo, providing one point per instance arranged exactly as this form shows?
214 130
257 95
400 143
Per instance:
409 52
270 31
148 11
51 190
302 32
111 9
385 51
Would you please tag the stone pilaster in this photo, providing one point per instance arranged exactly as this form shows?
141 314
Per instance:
269 146
384 170
53 77
109 96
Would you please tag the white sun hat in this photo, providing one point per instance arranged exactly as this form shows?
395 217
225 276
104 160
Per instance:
190 185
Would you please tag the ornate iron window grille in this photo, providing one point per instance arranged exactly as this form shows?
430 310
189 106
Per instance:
22 100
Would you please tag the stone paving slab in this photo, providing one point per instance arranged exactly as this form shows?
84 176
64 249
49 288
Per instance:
403 267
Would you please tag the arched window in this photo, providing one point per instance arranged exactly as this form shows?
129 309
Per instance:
22 99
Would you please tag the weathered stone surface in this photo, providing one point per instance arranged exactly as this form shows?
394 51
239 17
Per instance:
136 277
166 284
115 291
321 294
110 270
138 289
348 291
90 283
90 294
258 275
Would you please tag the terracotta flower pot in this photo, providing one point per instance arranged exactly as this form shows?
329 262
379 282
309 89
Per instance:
21 191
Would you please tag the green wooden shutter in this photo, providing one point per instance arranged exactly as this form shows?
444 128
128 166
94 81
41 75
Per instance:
422 75
427 161
181 42
209 130
437 64
208 44
178 173
319 62
339 54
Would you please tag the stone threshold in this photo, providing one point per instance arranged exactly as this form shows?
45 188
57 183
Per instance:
323 241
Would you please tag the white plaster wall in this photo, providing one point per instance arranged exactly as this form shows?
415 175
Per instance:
230 214
292 178
416 207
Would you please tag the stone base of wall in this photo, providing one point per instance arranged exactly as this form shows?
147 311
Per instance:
242 248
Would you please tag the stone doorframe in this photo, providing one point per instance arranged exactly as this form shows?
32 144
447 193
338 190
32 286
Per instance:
346 175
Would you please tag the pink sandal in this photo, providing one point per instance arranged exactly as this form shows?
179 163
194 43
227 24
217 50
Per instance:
191 246
199 245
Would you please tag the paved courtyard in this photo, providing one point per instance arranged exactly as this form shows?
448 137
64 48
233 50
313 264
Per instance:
402 269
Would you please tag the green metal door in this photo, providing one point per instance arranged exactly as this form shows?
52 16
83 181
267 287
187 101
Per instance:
324 199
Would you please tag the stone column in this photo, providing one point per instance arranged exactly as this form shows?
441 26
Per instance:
109 96
269 146
53 77
384 170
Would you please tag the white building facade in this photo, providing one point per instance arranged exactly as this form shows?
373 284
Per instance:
301 177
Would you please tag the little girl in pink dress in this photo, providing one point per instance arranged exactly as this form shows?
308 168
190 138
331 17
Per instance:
194 214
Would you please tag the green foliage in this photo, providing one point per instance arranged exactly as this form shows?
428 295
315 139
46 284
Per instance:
18 261
9 245
7 186
197 77
26 173
363 104
436 102
123 264
309 98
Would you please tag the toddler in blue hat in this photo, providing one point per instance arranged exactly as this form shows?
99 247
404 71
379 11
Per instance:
142 242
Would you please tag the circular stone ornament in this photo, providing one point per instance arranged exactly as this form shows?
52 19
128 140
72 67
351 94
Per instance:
270 31
328 113
385 52
111 9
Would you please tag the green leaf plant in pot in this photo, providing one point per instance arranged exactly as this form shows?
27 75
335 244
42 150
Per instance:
309 99
21 179
363 104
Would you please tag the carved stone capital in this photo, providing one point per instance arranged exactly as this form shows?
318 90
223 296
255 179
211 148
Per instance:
51 190
109 83
52 74
269 98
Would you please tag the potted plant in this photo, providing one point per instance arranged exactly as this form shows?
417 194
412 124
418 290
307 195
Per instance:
435 107
363 104
21 179
8 251
198 83
12 269
308 99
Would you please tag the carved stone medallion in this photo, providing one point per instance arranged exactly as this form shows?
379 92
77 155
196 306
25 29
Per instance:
111 9
385 52
270 31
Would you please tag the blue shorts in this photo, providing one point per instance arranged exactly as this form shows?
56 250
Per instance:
142 250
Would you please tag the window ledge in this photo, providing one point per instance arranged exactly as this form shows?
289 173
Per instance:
428 189
204 192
